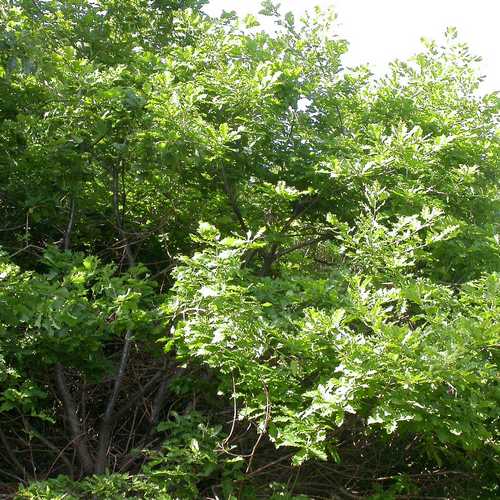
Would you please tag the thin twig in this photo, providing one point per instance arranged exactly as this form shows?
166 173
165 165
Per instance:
264 430
235 414
10 454
69 227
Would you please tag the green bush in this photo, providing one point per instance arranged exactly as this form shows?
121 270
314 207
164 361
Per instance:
331 326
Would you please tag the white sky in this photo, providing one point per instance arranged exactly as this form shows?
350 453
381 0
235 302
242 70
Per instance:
380 31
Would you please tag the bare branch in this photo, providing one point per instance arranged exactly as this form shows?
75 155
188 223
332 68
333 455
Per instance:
50 445
80 440
263 431
69 227
10 454
135 397
107 424
118 216
302 244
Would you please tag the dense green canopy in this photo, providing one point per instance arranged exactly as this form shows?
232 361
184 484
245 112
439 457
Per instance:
227 260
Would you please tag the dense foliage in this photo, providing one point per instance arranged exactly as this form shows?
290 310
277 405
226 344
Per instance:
231 267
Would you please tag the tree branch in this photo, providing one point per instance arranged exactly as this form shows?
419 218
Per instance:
298 211
302 244
228 189
118 216
69 227
81 444
78 436
107 424
134 398
50 445
10 454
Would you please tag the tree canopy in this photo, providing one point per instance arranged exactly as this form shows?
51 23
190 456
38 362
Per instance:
232 267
